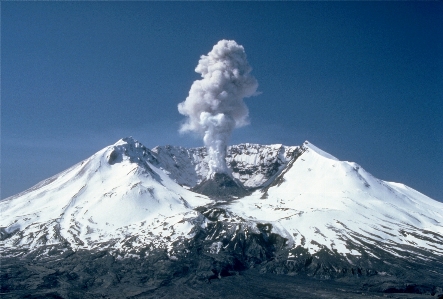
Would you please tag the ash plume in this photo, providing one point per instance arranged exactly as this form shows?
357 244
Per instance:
214 106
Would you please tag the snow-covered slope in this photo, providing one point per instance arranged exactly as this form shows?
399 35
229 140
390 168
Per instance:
130 199
113 195
319 202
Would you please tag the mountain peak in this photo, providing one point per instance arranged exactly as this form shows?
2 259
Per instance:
130 148
127 140
320 152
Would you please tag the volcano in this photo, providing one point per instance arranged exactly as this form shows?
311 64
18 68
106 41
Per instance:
134 222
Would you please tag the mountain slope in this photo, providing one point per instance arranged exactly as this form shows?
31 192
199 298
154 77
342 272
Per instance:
302 211
320 203
115 193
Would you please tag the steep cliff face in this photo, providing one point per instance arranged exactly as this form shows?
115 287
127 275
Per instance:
253 165
282 210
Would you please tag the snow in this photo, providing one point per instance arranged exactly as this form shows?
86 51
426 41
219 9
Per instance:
312 200
326 200
250 163
103 198
320 152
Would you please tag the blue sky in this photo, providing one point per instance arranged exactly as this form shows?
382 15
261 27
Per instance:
361 80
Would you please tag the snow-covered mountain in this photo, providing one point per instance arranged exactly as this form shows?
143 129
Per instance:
319 203
116 194
305 211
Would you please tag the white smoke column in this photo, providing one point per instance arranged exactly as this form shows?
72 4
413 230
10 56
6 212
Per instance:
215 104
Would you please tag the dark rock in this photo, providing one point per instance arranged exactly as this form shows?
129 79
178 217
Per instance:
221 186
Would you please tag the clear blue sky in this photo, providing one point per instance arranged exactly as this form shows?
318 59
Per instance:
361 80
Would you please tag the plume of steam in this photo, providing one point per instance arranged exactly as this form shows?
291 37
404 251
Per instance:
215 104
